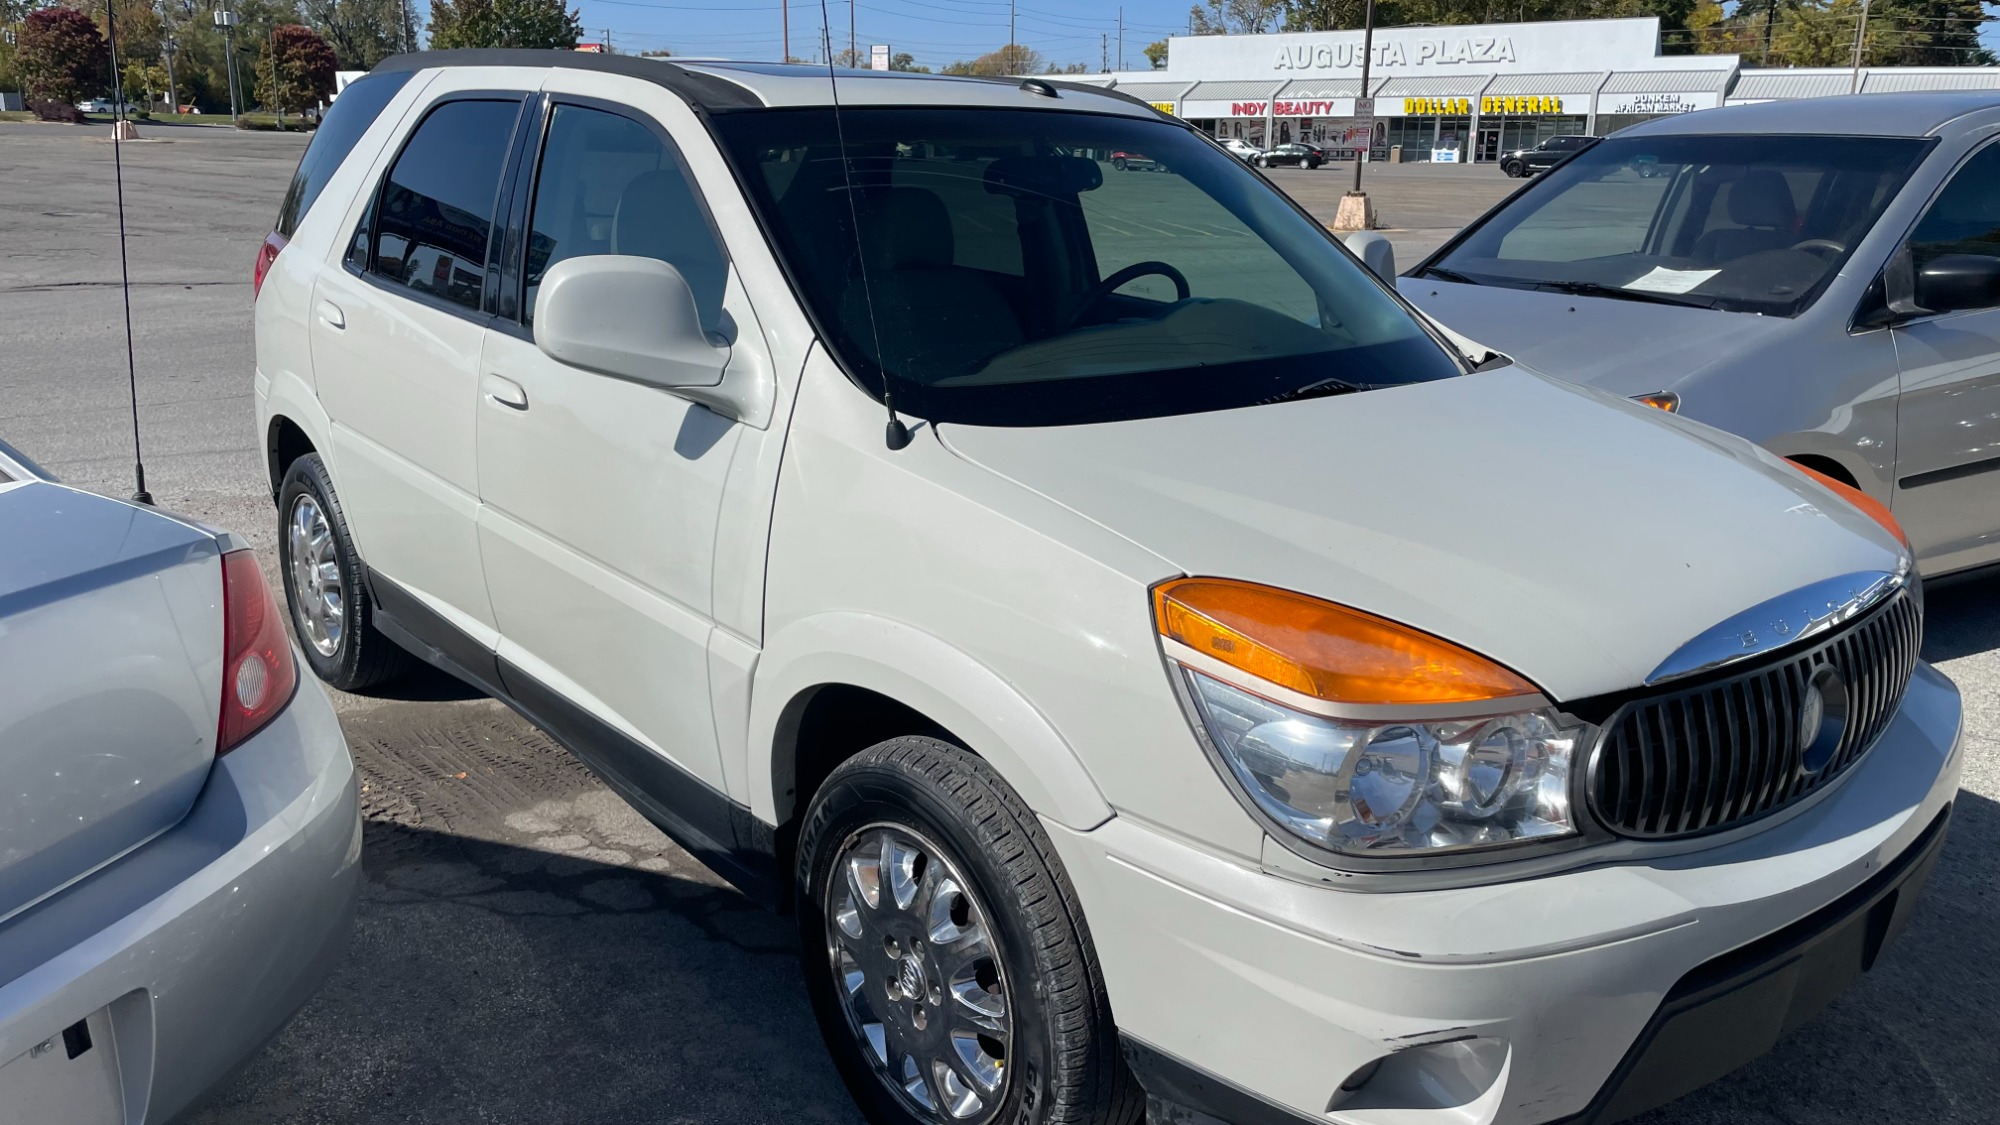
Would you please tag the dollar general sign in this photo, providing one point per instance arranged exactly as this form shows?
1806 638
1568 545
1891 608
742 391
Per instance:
1460 107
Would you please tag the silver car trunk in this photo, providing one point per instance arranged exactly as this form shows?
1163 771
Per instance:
110 681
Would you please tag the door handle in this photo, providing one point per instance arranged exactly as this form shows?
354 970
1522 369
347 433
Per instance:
504 391
331 314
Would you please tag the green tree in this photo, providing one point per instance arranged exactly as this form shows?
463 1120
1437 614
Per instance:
361 32
1156 53
147 79
504 23
1236 17
62 56
1014 58
295 70
903 60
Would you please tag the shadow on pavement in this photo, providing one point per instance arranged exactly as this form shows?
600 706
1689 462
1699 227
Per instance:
501 984
1961 616
1914 1042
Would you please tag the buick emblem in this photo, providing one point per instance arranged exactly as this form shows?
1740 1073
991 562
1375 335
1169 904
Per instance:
1822 719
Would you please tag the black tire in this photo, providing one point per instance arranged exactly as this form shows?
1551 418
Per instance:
1118 162
1312 162
361 656
1063 1065
1513 169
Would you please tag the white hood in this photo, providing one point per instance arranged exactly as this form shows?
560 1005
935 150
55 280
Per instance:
1575 537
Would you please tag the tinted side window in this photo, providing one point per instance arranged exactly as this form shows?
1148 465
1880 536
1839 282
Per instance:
352 112
434 220
609 185
1965 217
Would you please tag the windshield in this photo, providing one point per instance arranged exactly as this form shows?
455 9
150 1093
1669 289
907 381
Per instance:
1024 268
1747 223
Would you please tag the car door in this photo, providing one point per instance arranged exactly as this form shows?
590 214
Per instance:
1948 426
397 328
601 497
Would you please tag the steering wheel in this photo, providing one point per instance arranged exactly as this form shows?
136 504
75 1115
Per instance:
1815 245
1111 284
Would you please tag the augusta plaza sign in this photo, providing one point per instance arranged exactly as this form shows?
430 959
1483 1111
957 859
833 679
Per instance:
1521 48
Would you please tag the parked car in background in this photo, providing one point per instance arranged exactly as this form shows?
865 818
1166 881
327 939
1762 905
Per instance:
100 105
1523 162
991 558
1135 162
1296 154
1240 148
180 847
1822 277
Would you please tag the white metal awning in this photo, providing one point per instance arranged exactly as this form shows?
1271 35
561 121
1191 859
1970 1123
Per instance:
1576 84
1912 79
1441 86
1707 81
1321 88
1153 91
1785 85
1232 91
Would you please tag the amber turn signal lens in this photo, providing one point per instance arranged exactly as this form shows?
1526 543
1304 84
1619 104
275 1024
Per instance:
1324 650
1660 400
1872 508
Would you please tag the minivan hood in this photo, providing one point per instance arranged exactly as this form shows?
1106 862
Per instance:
1575 537
1625 347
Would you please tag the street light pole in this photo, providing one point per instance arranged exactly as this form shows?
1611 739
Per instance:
1860 31
1356 213
226 20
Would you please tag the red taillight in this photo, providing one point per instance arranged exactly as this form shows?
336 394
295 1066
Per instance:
266 254
258 676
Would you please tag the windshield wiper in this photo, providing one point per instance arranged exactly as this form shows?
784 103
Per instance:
1322 388
1620 293
1444 274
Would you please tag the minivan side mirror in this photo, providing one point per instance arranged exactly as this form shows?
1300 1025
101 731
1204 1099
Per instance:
629 317
1376 252
1951 282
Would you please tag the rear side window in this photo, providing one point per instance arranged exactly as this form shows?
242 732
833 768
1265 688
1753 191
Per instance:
352 112
434 220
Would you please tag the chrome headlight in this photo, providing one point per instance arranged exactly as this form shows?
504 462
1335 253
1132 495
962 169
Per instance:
1395 787
1363 736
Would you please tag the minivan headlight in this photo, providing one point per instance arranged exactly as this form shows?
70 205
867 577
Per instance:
1362 736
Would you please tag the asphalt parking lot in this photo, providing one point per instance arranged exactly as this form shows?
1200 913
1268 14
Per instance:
530 950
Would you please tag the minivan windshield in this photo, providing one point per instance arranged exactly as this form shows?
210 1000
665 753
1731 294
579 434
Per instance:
1027 268
1747 223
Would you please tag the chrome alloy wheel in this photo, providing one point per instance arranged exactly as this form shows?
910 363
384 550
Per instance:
918 973
320 600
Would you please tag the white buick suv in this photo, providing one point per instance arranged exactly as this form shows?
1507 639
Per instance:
1157 665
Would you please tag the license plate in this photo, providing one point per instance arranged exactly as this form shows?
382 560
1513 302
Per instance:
71 1077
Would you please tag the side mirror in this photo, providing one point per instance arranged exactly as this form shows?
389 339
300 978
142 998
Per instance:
1375 252
628 317
1950 282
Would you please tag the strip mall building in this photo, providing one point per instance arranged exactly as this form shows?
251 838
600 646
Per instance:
1471 93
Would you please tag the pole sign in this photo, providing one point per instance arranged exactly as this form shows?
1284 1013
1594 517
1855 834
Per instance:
1364 108
878 57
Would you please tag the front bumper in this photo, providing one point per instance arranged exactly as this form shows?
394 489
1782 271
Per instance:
1253 998
196 948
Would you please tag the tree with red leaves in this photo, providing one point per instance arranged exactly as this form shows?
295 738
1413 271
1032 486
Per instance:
296 72
61 56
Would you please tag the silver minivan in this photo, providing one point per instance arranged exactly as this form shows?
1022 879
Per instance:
1152 662
1820 276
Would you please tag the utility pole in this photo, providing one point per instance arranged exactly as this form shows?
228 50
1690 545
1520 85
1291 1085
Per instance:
785 28
1103 53
226 20
170 47
1860 31
409 29
1012 54
1121 37
1356 213
851 60
1770 13
607 42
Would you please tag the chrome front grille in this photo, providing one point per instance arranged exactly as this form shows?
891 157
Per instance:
1730 749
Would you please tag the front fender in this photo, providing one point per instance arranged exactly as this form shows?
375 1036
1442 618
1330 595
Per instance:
926 674
290 397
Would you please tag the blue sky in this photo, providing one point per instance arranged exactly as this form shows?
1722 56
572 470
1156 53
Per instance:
935 31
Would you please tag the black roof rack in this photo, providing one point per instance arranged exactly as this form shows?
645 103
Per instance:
702 91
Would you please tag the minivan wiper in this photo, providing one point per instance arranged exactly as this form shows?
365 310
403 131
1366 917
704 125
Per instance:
1322 388
1444 274
1620 293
